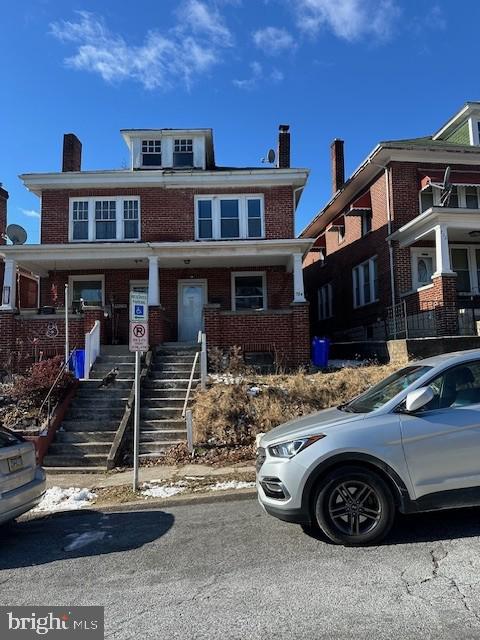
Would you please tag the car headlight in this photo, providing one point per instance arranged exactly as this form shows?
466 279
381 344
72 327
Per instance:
292 447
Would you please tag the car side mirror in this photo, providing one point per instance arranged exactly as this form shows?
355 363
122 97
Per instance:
419 398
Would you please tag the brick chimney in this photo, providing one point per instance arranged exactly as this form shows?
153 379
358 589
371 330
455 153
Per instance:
338 165
283 161
3 213
72 153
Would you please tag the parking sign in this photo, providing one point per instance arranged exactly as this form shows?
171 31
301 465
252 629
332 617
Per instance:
138 307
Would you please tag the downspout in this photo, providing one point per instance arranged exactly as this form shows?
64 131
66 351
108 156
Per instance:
390 245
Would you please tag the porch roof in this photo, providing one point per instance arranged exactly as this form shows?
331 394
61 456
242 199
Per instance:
42 258
460 222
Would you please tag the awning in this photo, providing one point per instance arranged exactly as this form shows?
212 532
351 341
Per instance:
320 244
457 178
338 222
361 205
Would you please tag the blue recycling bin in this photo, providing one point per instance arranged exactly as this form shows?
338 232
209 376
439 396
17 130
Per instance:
79 363
320 349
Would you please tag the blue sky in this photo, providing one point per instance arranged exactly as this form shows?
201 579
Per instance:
361 70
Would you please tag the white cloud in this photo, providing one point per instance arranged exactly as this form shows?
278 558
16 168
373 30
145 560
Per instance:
163 60
30 213
273 40
258 74
348 19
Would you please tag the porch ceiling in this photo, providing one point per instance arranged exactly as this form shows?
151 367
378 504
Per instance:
41 259
459 222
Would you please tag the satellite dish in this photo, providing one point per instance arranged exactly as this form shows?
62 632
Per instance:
446 188
270 157
16 234
446 178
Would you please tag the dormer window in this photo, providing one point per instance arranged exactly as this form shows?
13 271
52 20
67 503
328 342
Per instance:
183 152
152 153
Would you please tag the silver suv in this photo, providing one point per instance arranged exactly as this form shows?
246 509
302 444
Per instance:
410 443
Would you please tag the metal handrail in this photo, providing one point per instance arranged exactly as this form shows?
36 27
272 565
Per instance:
61 371
192 373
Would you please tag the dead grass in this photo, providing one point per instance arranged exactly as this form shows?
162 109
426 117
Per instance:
232 415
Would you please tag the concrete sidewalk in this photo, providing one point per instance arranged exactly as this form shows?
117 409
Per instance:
146 474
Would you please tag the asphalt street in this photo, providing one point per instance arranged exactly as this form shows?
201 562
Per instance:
226 570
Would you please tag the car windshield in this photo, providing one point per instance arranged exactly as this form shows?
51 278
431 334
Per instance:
385 390
8 439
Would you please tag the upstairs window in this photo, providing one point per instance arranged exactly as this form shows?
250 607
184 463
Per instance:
130 219
183 152
365 283
366 223
229 218
152 153
97 219
80 220
105 220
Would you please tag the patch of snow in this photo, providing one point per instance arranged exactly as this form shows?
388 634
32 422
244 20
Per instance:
162 491
84 539
231 484
225 378
58 499
253 391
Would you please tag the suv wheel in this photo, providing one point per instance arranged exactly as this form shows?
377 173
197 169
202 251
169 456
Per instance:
354 507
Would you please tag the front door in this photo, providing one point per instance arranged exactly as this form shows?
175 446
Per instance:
191 300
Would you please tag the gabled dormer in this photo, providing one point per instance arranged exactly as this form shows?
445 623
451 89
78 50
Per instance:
172 149
463 128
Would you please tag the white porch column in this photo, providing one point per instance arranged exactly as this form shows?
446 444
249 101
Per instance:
298 290
9 292
153 286
441 250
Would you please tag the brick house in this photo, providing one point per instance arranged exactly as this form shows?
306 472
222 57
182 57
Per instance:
396 250
213 247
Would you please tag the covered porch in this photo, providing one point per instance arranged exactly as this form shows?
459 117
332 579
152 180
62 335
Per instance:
214 286
442 249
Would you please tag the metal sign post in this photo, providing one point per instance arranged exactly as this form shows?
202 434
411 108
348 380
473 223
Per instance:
138 342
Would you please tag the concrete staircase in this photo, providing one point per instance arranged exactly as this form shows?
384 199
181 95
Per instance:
163 397
86 434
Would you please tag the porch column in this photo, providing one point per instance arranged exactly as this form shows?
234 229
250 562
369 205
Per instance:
9 292
153 287
298 290
442 252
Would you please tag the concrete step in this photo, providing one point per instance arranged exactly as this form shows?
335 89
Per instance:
63 470
169 383
162 436
119 383
180 346
116 358
180 357
90 393
106 367
159 403
115 350
79 448
92 460
147 448
174 367
89 425
84 436
94 412
159 425
172 375
103 402
160 413
152 393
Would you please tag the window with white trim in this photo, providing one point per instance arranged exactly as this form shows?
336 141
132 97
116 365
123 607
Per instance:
80 220
104 219
249 291
183 152
325 302
87 289
151 153
365 283
423 266
229 217
366 219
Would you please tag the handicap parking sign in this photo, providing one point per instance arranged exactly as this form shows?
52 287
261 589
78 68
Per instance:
139 310
138 307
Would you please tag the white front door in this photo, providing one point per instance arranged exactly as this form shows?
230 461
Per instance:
191 300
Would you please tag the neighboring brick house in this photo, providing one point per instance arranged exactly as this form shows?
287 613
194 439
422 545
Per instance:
213 247
397 251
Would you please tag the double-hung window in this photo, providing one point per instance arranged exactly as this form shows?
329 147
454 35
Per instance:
325 302
104 219
365 282
80 220
249 291
183 152
229 217
151 153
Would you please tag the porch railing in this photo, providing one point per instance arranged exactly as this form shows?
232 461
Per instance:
92 348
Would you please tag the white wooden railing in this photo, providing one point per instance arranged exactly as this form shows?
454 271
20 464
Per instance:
92 348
